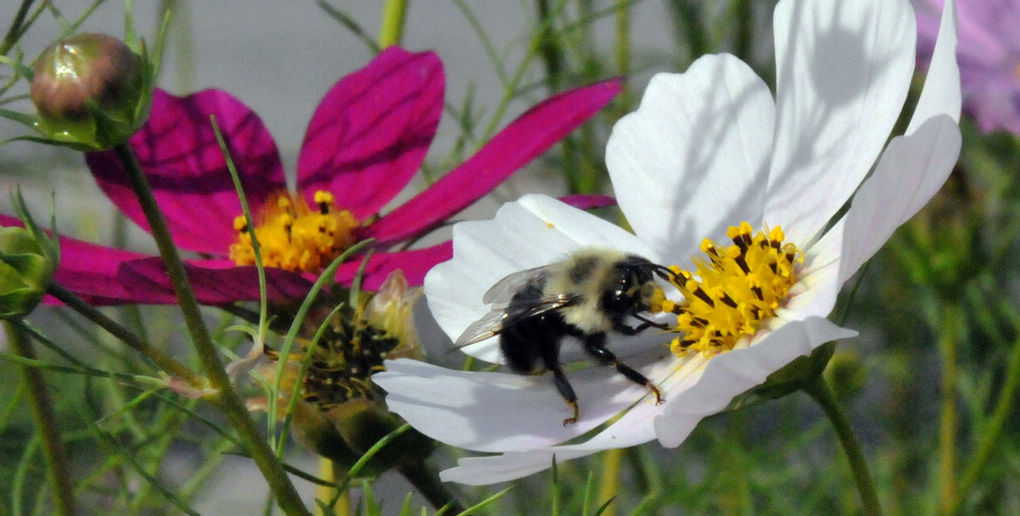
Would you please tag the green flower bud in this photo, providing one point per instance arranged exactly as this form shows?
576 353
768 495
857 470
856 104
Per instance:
89 89
26 269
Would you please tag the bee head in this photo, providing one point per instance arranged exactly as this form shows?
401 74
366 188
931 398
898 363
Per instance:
633 285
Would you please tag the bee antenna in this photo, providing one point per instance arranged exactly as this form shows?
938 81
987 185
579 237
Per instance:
665 273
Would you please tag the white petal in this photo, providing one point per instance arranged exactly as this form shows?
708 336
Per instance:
941 92
843 70
534 231
632 428
911 171
815 292
734 372
500 412
480 471
692 159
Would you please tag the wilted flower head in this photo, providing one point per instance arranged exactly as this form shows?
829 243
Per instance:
710 165
90 89
339 412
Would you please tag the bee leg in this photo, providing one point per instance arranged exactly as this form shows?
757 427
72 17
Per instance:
645 324
595 345
567 392
551 361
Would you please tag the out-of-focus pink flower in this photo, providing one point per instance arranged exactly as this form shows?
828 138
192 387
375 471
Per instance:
364 144
989 57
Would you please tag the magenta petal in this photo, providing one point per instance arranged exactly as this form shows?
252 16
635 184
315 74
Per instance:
177 149
588 201
90 271
214 282
413 263
371 131
520 142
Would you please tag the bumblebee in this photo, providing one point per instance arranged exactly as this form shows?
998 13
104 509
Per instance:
591 293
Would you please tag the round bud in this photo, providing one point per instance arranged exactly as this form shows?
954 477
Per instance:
26 269
87 89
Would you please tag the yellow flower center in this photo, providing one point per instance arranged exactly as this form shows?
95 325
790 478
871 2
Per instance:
294 237
733 291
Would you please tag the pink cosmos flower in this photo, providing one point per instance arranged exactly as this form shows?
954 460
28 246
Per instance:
365 142
989 57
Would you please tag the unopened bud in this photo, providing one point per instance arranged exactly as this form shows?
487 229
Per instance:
391 310
88 89
26 269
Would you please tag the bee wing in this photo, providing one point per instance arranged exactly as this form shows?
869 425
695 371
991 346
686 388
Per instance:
497 320
488 326
504 289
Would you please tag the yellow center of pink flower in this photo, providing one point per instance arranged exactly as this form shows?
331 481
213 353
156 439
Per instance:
295 237
733 290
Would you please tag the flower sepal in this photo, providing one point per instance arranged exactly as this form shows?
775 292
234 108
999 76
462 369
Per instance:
791 378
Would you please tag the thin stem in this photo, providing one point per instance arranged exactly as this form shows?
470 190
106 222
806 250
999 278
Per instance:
948 336
822 394
57 465
993 429
164 361
393 16
623 52
609 486
225 398
550 48
15 31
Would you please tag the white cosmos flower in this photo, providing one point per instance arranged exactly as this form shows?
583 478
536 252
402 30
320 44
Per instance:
707 149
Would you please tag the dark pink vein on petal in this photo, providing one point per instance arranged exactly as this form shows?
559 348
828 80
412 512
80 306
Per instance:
215 282
178 152
89 270
372 130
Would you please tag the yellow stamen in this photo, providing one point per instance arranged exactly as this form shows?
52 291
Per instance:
733 290
295 237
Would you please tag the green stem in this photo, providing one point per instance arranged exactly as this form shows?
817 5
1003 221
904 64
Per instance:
57 465
822 394
948 336
161 359
623 52
225 398
549 47
428 485
392 30
993 430
15 31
